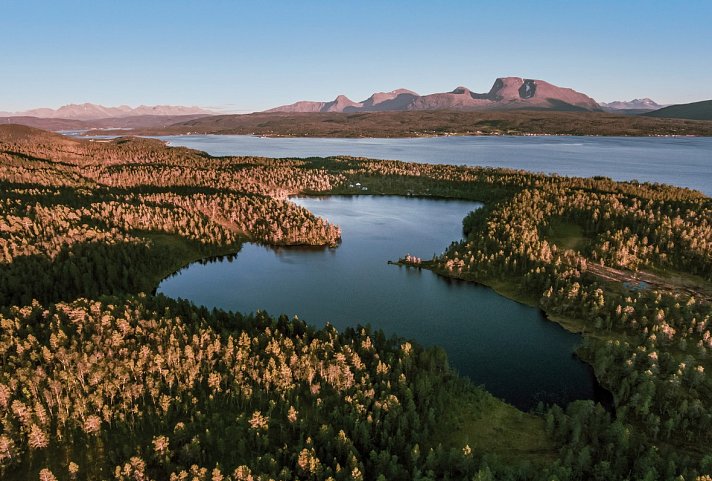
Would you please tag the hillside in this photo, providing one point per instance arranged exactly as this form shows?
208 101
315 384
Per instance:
693 111
428 123
47 124
24 135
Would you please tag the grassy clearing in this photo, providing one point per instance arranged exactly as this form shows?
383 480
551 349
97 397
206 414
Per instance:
566 235
490 426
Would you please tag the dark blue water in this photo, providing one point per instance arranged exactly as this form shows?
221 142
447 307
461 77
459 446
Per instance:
508 347
682 161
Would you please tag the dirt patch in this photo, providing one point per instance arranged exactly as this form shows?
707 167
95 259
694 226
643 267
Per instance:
642 279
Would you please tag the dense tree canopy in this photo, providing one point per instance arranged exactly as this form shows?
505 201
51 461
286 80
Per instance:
101 380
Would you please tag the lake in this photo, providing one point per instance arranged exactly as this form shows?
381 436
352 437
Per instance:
508 347
682 161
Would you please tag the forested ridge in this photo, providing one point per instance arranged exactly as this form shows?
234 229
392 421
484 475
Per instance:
102 380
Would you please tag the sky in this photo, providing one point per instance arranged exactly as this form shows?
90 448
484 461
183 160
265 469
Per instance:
236 56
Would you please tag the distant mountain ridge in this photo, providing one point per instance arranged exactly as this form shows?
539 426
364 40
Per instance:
507 93
378 102
88 111
631 107
635 104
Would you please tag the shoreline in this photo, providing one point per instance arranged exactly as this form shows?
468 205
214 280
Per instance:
572 325
92 133
569 325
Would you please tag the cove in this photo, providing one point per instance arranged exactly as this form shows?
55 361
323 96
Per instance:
510 348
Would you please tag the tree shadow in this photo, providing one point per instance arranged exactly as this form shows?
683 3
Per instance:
88 269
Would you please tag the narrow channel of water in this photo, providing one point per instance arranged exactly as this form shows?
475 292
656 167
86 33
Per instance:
508 347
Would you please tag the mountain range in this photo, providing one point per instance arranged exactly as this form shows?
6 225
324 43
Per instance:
507 93
88 111
631 107
635 104
507 107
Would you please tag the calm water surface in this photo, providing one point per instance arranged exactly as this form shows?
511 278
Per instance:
682 161
506 346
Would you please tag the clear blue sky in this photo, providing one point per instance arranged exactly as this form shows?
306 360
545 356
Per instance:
244 56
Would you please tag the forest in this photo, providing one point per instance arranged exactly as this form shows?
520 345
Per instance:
102 379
